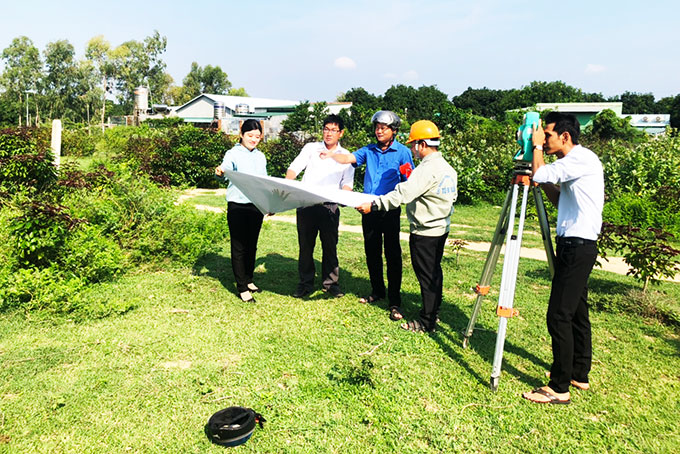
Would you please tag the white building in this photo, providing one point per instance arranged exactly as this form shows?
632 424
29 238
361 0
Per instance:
586 111
651 123
229 112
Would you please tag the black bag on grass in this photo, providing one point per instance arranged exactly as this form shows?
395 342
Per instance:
232 426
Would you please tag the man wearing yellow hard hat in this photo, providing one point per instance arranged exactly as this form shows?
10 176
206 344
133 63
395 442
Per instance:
429 194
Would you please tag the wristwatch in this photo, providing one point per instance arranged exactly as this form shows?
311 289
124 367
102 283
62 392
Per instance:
538 147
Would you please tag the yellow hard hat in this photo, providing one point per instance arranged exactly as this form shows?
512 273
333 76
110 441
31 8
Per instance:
422 130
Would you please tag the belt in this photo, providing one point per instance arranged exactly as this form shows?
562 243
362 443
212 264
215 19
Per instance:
573 241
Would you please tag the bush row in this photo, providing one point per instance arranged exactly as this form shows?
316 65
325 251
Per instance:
62 235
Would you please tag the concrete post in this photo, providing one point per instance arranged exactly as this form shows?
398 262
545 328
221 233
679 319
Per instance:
56 142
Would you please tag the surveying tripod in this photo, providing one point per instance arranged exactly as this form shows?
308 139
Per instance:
521 177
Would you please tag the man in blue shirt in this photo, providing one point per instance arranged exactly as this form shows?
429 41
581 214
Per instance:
383 161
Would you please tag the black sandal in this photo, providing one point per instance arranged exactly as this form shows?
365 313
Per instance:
370 299
395 314
416 326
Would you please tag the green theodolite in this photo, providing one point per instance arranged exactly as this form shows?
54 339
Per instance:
524 132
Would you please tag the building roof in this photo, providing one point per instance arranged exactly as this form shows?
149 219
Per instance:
581 107
232 101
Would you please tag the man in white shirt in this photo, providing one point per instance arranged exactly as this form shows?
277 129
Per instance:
322 220
575 184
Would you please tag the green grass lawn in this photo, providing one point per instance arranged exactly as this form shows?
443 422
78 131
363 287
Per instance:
329 375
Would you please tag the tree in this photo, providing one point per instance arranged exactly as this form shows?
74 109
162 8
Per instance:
22 72
359 96
63 82
607 126
480 101
364 105
240 91
429 101
191 84
210 79
494 103
450 119
638 103
215 81
399 98
139 64
670 105
98 52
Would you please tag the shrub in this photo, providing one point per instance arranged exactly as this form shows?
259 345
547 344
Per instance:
643 183
182 155
79 142
168 122
26 161
39 232
182 234
91 256
482 157
87 233
281 152
40 289
646 251
115 140
607 126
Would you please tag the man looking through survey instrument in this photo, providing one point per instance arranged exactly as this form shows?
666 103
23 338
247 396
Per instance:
383 162
429 194
321 219
575 184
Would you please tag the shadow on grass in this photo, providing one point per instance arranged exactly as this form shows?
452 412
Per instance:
280 275
607 286
484 343
217 267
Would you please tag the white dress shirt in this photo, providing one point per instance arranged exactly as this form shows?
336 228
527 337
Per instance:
581 180
322 172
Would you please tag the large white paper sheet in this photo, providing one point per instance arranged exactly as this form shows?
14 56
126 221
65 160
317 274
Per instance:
274 195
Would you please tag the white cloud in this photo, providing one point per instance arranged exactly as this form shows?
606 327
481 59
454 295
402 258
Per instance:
594 69
344 63
411 75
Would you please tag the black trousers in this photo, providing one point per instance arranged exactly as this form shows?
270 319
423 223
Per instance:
245 222
322 220
568 320
426 257
377 225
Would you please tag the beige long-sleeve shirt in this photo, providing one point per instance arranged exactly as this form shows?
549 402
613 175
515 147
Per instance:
429 194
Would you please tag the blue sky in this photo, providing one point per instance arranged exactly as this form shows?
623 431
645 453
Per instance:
315 50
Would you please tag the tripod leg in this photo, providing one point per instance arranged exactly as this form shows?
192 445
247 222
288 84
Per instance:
545 228
489 266
508 282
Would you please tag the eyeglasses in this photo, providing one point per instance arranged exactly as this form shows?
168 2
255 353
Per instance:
332 131
382 128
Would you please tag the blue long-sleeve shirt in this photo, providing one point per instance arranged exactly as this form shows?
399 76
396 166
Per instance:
240 159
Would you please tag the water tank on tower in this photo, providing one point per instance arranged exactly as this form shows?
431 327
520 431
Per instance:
242 108
141 99
218 110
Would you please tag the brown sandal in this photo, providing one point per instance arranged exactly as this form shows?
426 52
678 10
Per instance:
552 399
